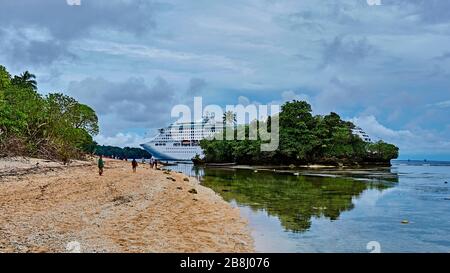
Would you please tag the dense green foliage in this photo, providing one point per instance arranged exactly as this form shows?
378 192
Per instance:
54 126
304 139
116 152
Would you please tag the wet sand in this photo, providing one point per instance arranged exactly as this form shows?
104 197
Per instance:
46 206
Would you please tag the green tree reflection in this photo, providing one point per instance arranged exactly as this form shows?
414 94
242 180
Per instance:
293 199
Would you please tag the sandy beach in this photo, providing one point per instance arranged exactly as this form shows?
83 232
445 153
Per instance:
44 206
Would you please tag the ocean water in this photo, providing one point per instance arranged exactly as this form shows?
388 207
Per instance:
404 208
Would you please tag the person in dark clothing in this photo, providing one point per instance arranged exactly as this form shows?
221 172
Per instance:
101 165
152 162
134 164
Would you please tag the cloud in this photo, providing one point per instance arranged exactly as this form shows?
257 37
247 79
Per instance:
165 56
441 104
196 85
339 94
347 57
122 140
28 46
292 95
428 11
242 100
63 24
444 56
409 142
67 22
130 103
346 50
377 130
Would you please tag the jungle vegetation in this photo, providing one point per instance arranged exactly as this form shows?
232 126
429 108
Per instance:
122 153
54 126
304 138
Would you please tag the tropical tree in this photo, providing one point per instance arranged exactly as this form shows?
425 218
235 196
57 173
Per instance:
55 126
5 79
25 80
229 117
304 138
382 150
77 115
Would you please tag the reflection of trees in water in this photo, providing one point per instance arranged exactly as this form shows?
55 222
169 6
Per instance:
294 200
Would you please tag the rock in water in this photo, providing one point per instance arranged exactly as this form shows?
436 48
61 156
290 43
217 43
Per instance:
405 222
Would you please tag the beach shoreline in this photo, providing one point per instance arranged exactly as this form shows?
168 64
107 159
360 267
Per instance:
46 207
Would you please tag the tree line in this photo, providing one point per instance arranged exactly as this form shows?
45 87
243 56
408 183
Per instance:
54 126
304 139
122 153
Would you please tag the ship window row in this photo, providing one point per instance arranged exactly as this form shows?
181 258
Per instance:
192 133
178 150
182 152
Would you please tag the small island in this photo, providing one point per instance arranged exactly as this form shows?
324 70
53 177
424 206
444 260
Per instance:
305 139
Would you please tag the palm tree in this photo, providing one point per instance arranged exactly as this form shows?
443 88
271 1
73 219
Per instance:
229 117
26 80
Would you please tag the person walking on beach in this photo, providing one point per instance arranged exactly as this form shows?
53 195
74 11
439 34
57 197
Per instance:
152 161
134 164
101 165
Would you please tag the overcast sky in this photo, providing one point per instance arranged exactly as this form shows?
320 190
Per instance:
386 68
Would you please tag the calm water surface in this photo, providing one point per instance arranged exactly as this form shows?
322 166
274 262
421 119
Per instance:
340 210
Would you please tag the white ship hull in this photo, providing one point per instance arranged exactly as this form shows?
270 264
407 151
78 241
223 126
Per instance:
170 152
181 141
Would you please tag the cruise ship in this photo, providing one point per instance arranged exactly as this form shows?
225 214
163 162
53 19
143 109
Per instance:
358 131
181 141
